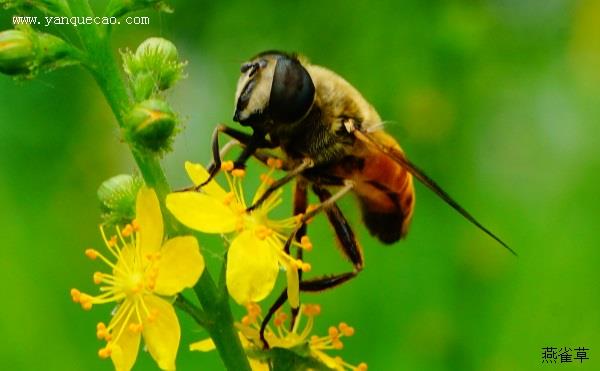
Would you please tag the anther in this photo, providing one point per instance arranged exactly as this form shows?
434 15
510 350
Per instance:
266 179
98 276
337 344
135 224
104 352
227 165
238 173
247 320
333 332
274 163
362 367
228 198
305 243
135 328
91 253
346 330
113 241
75 295
306 267
127 231
153 315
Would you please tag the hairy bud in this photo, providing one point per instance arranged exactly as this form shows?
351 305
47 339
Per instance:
150 125
117 197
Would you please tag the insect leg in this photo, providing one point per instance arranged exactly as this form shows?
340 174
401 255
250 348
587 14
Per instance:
215 165
306 163
300 205
250 142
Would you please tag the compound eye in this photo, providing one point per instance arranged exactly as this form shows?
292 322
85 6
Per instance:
292 92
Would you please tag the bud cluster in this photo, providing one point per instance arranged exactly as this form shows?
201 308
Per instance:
24 52
153 68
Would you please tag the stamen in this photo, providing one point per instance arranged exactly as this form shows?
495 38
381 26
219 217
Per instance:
91 253
345 329
229 197
127 231
75 295
333 332
305 243
274 163
104 352
136 225
136 328
337 344
312 310
238 173
362 367
266 179
227 165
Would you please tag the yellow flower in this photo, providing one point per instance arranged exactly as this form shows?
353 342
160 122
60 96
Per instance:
256 252
146 270
281 337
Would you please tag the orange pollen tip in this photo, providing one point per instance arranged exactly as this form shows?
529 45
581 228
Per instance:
314 340
100 326
305 243
228 198
91 253
153 315
75 295
127 231
98 276
266 179
113 241
238 173
306 267
246 320
104 352
362 367
278 322
312 309
86 305
227 165
337 344
135 224
136 328
333 332
274 163
346 330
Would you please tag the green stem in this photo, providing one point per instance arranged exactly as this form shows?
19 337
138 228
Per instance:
105 69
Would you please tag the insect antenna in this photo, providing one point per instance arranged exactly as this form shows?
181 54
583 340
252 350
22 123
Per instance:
399 157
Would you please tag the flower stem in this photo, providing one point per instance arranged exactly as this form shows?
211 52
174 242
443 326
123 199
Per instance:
102 64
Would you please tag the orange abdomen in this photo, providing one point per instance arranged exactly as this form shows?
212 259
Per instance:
385 192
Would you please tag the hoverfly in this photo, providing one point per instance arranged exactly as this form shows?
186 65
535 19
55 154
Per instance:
332 139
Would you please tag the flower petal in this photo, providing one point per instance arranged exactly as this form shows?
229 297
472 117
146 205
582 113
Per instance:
202 212
205 345
125 348
251 268
161 334
180 265
150 220
293 285
198 175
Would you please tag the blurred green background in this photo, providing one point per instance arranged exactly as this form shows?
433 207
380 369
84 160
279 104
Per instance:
498 100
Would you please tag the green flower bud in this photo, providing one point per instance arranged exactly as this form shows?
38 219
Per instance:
151 125
153 67
16 52
25 52
117 197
